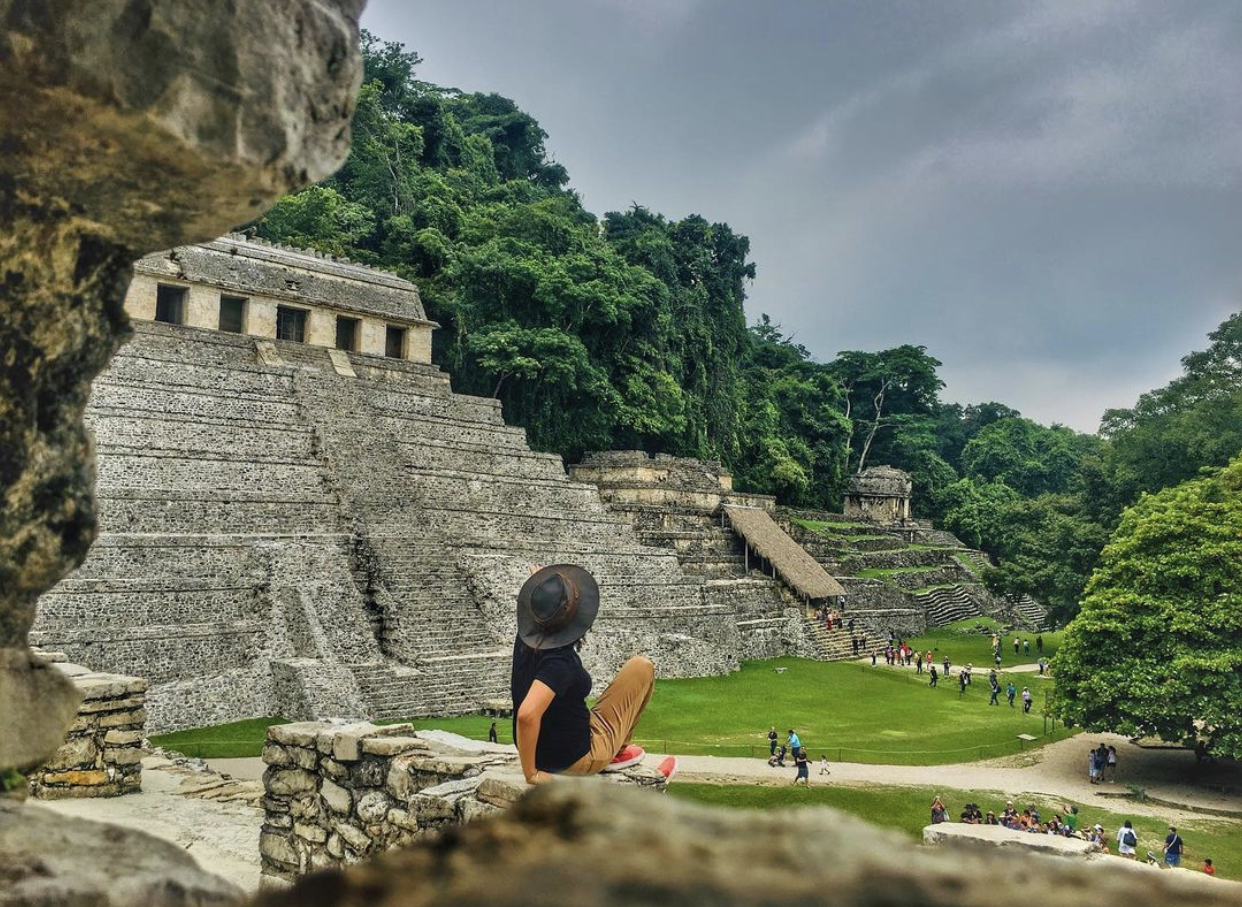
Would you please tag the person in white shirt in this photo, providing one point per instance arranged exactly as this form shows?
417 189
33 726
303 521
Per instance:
823 766
1127 840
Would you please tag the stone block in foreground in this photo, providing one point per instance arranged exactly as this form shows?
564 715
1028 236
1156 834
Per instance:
47 859
959 836
126 127
577 843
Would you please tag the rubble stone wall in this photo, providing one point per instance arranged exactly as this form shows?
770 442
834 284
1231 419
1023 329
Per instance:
334 794
102 754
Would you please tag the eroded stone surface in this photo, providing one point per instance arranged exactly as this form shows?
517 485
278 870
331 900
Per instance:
46 859
126 128
586 844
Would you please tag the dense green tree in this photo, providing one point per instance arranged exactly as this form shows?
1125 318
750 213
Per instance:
1029 458
1192 422
1157 647
889 396
1046 549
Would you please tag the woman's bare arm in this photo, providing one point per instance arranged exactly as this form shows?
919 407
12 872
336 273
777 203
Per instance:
529 718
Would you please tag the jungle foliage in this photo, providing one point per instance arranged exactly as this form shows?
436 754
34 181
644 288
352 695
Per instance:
1157 647
629 331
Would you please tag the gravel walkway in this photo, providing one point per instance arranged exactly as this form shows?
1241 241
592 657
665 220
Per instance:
1058 769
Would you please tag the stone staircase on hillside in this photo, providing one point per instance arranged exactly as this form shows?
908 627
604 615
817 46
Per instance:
945 605
1032 612
707 547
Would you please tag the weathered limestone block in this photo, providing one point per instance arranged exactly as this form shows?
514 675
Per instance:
961 837
337 797
579 843
289 782
126 128
46 859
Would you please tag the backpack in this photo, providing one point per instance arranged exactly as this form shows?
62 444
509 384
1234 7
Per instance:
1128 838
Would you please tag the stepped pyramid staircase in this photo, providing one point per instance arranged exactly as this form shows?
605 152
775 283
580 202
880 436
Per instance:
902 579
286 531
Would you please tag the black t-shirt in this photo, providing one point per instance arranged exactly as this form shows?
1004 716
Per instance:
1174 843
565 732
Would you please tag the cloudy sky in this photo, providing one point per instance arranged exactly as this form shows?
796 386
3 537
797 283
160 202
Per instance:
1048 195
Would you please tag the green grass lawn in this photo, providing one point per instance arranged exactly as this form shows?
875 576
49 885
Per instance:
234 740
852 712
907 810
965 647
824 527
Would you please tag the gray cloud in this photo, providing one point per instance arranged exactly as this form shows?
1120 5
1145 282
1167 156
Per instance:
1045 194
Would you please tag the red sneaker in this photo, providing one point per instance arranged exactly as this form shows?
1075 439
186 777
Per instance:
629 755
668 768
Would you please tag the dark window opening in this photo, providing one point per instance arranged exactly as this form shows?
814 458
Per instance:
346 333
170 304
232 314
394 343
290 324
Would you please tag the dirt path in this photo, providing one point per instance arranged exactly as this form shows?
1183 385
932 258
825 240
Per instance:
223 836
1059 769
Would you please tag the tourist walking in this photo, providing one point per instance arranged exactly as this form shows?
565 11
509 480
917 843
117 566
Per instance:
1011 691
1026 647
1111 766
1039 644
1173 847
823 766
803 766
994 699
1016 643
918 664
794 742
1127 840
934 676
1026 700
491 733
773 737
555 731
962 679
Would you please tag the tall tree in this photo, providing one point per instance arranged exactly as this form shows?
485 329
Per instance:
1157 647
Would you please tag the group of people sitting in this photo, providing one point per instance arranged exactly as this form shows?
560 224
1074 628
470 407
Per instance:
1065 824
1029 820
832 618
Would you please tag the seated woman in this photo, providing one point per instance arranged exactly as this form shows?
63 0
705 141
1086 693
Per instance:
555 731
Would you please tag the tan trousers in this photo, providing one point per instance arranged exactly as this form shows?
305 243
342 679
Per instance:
616 714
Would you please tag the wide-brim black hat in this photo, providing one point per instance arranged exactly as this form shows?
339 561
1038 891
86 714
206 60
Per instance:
557 606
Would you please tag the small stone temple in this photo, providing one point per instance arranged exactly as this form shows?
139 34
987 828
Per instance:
880 494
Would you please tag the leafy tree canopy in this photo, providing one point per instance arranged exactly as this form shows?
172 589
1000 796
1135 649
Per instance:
1157 647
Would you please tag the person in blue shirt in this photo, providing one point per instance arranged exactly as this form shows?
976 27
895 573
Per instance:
794 742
